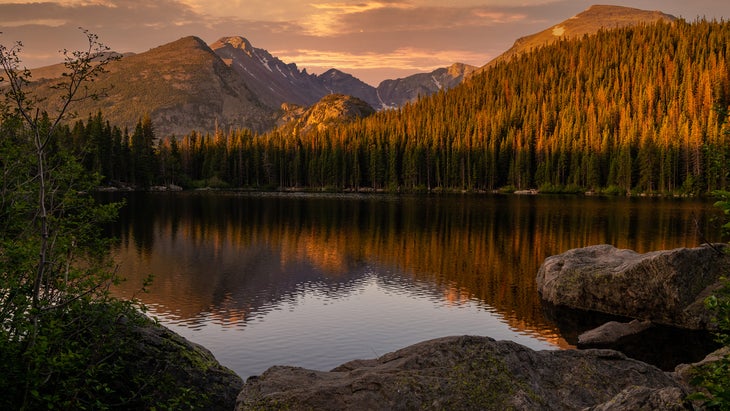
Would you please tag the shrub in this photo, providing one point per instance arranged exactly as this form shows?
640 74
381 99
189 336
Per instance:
714 377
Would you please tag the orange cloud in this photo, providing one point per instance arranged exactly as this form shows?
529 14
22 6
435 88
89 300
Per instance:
73 3
499 17
34 22
405 58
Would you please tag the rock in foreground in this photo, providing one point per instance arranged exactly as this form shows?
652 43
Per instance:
665 287
467 373
610 333
181 368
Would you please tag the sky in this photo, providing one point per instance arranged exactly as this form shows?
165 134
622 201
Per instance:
373 40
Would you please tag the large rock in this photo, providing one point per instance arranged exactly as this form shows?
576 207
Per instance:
660 345
665 287
611 332
467 373
178 372
644 398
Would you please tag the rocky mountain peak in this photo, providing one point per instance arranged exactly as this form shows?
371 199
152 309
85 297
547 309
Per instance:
237 42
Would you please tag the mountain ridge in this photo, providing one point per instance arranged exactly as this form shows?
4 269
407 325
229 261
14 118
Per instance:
274 81
395 93
188 85
587 22
278 82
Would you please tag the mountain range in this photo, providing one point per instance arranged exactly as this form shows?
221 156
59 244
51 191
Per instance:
276 82
189 85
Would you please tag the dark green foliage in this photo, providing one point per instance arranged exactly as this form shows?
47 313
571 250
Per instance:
65 343
723 204
90 357
714 377
52 350
143 158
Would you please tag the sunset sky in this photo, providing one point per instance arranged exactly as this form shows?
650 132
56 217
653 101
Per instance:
372 39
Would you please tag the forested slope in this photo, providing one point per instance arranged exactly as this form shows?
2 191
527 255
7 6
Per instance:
627 109
632 109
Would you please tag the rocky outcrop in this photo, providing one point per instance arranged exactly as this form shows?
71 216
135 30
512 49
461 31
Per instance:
179 371
660 345
468 373
332 110
611 332
665 287
644 398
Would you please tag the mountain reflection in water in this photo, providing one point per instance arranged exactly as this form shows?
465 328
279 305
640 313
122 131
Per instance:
317 280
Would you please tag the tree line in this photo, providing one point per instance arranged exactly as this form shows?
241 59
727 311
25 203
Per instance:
640 109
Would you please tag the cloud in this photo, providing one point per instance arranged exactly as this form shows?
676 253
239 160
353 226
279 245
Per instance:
126 14
498 16
349 8
334 19
35 22
349 35
69 3
405 58
405 34
254 10
412 35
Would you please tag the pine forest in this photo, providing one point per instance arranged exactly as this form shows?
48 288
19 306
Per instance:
633 110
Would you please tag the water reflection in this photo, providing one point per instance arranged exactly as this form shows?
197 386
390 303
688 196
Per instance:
315 280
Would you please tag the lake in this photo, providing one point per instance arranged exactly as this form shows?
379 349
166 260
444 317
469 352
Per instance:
316 280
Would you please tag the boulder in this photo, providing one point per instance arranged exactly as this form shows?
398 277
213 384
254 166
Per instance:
660 345
611 332
685 372
178 371
466 373
665 287
644 398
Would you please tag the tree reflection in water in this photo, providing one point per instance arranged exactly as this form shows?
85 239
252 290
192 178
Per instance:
231 258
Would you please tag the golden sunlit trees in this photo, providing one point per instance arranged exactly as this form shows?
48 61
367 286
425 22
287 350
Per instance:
626 110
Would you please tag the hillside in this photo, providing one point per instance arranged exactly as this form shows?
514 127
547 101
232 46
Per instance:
588 22
55 71
183 85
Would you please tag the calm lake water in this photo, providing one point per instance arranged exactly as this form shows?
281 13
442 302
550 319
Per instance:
315 280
